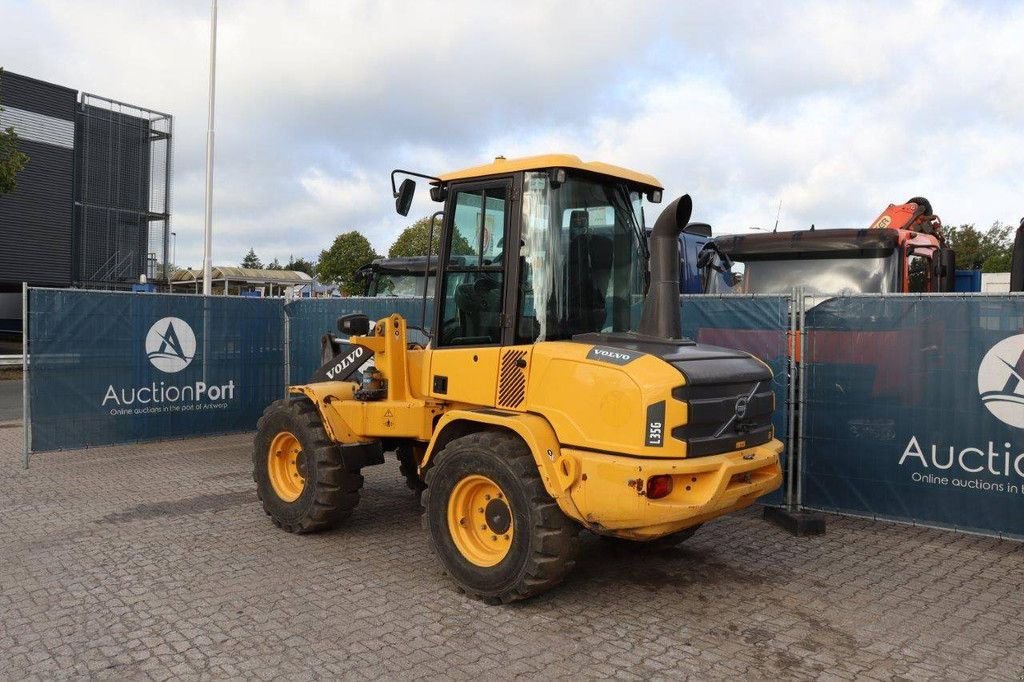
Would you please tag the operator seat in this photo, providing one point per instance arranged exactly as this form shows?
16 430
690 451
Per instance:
590 266
478 303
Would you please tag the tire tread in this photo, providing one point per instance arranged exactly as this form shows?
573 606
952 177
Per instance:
554 541
336 491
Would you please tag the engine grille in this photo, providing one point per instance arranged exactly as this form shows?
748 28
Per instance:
725 417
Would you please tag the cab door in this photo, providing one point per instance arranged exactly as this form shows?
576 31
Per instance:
471 311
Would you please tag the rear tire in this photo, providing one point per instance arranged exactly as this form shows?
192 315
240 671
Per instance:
525 544
300 478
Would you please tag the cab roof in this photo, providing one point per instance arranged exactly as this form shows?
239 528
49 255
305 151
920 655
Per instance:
502 166
405 265
808 241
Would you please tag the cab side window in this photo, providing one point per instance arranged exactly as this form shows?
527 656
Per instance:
919 275
474 275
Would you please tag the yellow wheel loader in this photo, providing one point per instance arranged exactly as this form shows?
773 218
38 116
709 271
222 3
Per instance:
552 392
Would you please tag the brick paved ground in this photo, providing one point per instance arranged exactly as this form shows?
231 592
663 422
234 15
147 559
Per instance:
10 399
156 561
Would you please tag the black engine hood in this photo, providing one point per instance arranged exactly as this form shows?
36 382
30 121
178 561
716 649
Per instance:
700 364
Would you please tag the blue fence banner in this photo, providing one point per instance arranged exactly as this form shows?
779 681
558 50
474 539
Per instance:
111 367
758 325
913 405
914 410
310 319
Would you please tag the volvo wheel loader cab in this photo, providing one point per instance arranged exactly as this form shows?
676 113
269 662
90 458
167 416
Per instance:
555 393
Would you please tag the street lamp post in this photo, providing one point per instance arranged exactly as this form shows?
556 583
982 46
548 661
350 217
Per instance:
174 249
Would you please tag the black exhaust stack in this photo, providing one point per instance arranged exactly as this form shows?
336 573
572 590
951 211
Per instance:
660 316
1017 264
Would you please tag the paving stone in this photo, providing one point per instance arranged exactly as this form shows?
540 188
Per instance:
155 561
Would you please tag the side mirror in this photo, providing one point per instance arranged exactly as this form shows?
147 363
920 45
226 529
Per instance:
354 324
704 258
1017 260
403 197
947 270
699 229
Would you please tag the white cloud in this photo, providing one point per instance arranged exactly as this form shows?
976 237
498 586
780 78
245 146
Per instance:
353 193
834 108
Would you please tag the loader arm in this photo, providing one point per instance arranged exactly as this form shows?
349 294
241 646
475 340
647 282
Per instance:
402 414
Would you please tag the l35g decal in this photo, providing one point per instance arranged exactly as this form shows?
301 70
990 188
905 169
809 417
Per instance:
655 437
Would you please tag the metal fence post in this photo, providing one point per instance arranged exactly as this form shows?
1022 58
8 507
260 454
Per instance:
26 415
287 350
791 349
802 401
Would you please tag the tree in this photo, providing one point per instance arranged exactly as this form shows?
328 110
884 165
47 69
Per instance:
988 251
302 265
413 241
11 159
251 260
275 265
338 264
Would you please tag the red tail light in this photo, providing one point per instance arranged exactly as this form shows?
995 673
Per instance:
659 486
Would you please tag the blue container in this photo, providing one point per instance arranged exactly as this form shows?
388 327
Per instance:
968 280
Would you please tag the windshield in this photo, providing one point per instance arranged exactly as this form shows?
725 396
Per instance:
400 285
780 273
583 258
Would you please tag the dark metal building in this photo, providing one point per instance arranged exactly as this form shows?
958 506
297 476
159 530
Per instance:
36 220
92 207
122 206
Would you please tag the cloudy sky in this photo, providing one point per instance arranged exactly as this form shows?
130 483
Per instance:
835 109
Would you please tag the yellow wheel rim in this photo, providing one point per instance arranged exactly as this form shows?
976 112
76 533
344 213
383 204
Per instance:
283 468
480 520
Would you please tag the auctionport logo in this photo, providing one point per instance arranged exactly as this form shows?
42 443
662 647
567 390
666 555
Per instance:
1001 381
170 344
170 347
998 465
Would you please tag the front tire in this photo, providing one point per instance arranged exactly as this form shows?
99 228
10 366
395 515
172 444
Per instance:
300 478
496 530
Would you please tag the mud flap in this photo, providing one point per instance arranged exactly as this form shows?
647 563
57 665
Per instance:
358 455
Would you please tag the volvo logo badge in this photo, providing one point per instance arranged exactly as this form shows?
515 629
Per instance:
741 407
